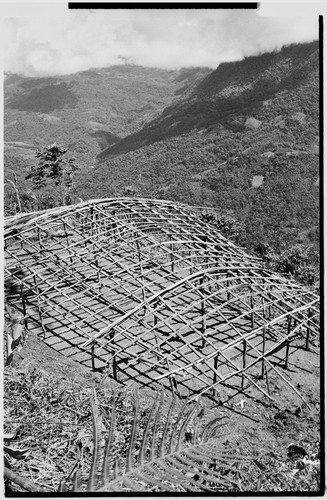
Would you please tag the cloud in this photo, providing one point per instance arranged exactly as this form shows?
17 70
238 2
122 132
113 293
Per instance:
78 40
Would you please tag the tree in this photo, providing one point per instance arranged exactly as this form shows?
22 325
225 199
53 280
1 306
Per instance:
227 225
53 169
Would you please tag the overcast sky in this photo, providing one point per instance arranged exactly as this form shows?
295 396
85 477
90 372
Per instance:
52 41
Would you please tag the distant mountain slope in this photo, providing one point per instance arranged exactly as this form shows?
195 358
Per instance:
245 141
229 95
91 110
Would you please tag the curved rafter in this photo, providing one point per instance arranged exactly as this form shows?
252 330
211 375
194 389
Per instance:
145 289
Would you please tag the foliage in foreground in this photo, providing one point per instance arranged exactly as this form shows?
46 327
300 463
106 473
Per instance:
49 435
175 453
134 446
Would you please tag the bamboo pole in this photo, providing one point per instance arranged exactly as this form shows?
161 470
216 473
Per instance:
263 352
67 240
244 361
203 312
172 257
39 306
287 353
268 386
114 361
215 370
142 275
92 356
252 306
23 305
307 340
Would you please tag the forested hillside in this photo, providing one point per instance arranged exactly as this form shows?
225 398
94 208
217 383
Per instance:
246 141
88 111
243 138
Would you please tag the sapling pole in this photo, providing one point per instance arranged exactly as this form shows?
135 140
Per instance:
14 185
252 306
92 356
307 340
172 258
268 387
203 312
287 353
39 306
141 271
263 352
228 284
67 240
215 366
244 361
114 362
155 321
23 305
269 307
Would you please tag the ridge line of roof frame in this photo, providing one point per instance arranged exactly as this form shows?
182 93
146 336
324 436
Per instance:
180 314
63 210
163 291
249 335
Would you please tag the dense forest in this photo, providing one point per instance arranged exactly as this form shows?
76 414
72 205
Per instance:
243 139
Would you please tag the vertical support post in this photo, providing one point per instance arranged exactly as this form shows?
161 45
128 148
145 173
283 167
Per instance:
203 312
215 366
252 307
206 258
263 300
23 305
269 307
141 269
114 361
114 226
307 340
39 237
39 306
268 386
244 362
155 321
93 223
96 263
287 353
67 241
228 292
172 259
173 383
92 356
263 352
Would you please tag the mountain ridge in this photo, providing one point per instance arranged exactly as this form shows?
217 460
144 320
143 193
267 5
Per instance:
205 107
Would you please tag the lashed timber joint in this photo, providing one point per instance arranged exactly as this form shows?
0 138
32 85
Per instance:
145 289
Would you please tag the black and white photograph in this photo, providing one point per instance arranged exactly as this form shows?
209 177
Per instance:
162 264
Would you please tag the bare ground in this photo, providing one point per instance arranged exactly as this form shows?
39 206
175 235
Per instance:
46 404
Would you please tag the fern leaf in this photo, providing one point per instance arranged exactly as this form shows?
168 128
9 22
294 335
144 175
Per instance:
187 419
133 432
142 453
130 484
155 427
152 478
175 428
76 482
167 462
167 426
109 443
91 486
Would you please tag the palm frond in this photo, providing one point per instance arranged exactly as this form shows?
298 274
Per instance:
165 460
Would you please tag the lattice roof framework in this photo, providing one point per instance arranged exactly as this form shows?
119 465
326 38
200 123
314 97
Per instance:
146 289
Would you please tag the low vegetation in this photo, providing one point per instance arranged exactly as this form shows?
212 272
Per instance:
152 133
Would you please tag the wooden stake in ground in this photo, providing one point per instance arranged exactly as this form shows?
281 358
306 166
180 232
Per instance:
203 312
